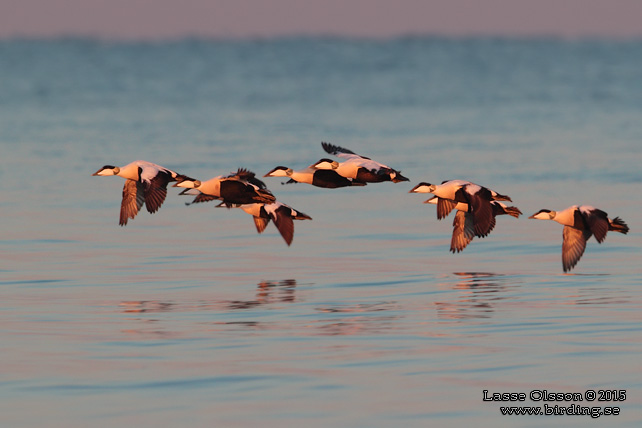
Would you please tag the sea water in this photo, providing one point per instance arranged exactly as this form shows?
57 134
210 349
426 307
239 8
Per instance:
189 317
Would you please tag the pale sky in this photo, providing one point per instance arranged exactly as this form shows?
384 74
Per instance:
163 19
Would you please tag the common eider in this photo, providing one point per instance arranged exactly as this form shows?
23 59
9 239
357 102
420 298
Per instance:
280 213
357 167
145 183
326 178
580 222
477 197
463 223
241 187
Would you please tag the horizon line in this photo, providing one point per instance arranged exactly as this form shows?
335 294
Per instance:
322 36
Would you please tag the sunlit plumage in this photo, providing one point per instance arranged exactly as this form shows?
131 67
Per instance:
580 222
477 197
146 184
240 187
326 178
463 223
357 167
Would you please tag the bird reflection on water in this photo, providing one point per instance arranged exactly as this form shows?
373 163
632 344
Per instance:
354 319
267 292
476 294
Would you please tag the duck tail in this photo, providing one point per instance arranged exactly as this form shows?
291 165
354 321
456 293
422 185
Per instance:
499 197
513 211
301 216
618 225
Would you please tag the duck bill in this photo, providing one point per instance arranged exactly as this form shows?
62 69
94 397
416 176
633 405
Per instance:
414 189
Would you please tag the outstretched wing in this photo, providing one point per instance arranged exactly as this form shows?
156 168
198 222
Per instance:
202 197
282 217
598 223
260 223
482 210
340 151
463 231
490 228
444 207
573 246
133 199
156 190
246 175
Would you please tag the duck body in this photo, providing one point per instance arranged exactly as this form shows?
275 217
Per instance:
325 178
281 214
477 198
241 187
357 167
146 184
464 226
580 223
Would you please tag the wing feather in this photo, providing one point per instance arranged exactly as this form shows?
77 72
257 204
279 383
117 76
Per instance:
282 218
339 151
203 197
573 246
133 199
463 231
482 212
156 191
444 207
260 223
598 223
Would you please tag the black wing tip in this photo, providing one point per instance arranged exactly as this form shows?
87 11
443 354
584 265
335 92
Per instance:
245 173
333 149
513 211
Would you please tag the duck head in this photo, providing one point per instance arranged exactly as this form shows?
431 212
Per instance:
107 170
279 171
188 183
543 215
432 200
423 187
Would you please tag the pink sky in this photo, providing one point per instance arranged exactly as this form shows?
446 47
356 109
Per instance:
153 19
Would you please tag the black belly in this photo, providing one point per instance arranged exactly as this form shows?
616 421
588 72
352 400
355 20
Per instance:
329 179
368 176
236 192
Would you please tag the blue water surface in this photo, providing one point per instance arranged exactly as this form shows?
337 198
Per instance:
189 317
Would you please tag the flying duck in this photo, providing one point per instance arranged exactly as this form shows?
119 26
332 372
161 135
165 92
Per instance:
326 178
145 183
356 167
280 213
580 222
463 223
241 187
477 198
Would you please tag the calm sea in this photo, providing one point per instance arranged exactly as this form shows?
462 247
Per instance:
189 317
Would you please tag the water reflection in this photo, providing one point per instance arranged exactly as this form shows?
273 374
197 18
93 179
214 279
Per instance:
597 296
352 319
142 306
267 292
476 294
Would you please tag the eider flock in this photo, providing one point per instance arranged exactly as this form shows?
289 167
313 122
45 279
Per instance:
476 205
